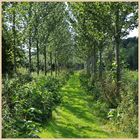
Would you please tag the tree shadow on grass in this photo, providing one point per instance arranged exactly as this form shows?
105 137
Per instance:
65 131
75 104
80 113
71 93
60 130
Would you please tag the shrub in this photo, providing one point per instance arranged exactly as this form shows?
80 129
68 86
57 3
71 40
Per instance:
128 108
125 116
27 102
91 88
84 81
122 111
100 109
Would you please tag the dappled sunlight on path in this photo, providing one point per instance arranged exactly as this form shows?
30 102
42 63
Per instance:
74 118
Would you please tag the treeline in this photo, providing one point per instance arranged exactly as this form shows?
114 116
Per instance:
36 36
102 27
131 52
109 59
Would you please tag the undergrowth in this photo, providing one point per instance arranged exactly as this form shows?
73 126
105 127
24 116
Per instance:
119 112
28 101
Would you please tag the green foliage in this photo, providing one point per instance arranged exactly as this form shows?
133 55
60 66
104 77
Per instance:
28 102
100 109
90 87
128 108
84 80
130 46
37 38
7 56
76 117
122 112
113 115
125 116
26 128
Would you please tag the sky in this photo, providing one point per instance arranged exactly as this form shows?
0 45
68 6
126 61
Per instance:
133 33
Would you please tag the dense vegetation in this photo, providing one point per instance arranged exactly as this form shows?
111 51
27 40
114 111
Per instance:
44 44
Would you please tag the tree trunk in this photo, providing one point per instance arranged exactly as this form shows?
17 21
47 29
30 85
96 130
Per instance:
100 64
30 44
37 56
55 61
88 66
45 62
36 37
117 40
29 55
14 41
51 62
93 65
95 61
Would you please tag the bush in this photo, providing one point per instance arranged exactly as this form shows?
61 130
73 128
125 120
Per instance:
125 115
84 81
128 108
91 88
100 109
121 111
27 102
108 90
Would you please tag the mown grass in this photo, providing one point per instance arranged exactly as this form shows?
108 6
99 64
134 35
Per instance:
74 118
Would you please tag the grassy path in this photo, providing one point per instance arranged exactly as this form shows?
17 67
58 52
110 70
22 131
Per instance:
74 118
